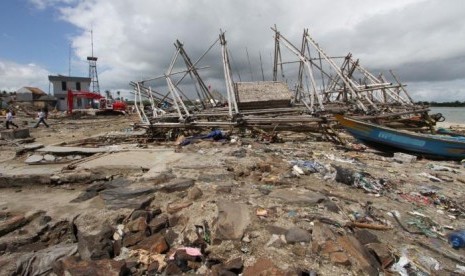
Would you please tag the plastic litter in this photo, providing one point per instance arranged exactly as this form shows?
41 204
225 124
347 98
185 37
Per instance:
457 238
436 167
339 159
404 158
430 177
309 166
459 268
191 251
359 179
215 135
400 266
297 170
430 263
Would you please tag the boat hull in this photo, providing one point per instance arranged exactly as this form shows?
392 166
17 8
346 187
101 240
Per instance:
388 139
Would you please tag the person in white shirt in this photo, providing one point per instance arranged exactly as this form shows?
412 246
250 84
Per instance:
9 120
41 116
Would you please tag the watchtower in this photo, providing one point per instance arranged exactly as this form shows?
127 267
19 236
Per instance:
94 86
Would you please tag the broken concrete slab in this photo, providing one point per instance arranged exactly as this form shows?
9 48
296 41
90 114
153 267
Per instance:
72 150
176 185
151 164
295 235
41 262
359 255
75 266
11 134
49 157
127 198
35 158
8 181
33 146
94 240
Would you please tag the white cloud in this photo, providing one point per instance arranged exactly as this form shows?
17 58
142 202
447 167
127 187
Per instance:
134 39
14 76
139 36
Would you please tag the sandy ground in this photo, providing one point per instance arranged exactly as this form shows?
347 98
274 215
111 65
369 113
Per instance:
223 176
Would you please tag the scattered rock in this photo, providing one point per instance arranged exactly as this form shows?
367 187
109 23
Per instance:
176 185
295 235
224 188
137 225
382 253
36 158
42 261
131 239
274 229
233 219
74 266
140 214
366 236
49 158
194 193
331 206
128 198
33 146
263 266
360 256
339 258
330 247
320 235
12 223
177 206
94 237
90 192
158 223
154 244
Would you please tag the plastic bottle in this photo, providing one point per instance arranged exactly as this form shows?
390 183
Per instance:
457 238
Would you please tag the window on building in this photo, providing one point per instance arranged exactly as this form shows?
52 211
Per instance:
78 86
63 85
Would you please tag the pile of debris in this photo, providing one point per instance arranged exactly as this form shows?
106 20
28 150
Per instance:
334 85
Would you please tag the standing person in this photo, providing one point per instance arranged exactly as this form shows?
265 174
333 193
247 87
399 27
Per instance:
41 116
46 111
9 120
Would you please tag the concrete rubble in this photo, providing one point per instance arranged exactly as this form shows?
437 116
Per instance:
119 205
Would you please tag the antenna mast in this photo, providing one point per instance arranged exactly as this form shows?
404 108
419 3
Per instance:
69 60
94 86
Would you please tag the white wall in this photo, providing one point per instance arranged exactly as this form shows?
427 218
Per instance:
24 95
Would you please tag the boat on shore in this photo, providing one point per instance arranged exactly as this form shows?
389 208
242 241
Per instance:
391 140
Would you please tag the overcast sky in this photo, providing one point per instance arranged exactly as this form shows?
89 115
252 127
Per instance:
423 41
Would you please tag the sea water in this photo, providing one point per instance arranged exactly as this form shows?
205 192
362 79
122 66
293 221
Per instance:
452 114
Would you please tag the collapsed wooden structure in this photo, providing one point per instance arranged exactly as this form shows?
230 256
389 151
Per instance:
325 86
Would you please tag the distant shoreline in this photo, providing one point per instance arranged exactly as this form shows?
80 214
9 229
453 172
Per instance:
443 104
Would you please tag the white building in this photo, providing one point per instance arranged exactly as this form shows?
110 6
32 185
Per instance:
29 94
61 84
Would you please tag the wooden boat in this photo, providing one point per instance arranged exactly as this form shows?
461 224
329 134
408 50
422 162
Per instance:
388 139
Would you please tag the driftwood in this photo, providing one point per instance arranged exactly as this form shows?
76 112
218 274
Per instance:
368 226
